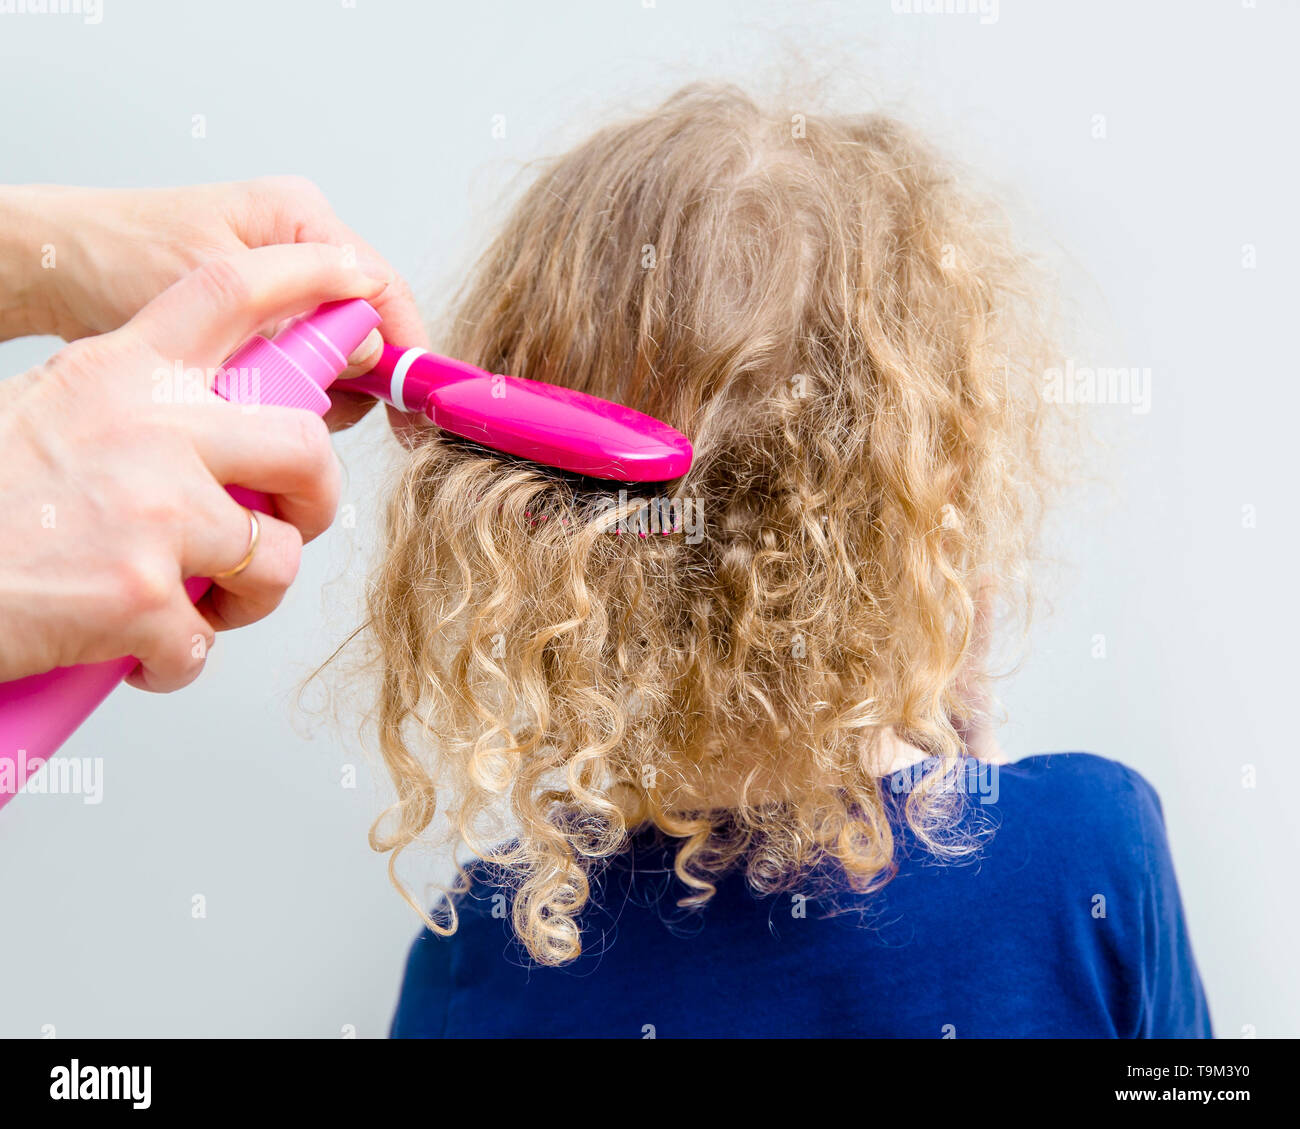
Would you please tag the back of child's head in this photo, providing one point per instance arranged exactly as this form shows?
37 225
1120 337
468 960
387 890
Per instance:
846 337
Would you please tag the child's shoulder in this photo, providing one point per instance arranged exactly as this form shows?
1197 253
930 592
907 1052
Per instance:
1084 792
1078 772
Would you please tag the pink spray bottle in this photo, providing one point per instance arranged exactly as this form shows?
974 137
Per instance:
40 712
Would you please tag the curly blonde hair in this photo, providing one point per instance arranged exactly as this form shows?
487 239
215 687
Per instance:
851 341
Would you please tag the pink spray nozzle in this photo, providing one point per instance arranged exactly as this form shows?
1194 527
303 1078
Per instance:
322 341
301 361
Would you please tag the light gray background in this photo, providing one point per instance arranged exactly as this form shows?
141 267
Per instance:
227 791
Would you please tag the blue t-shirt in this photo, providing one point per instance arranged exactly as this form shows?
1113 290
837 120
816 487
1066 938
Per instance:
1067 922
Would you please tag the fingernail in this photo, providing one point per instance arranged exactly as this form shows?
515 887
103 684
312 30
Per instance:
376 269
368 350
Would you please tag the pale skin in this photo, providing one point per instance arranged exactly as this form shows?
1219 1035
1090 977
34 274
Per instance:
108 498
891 754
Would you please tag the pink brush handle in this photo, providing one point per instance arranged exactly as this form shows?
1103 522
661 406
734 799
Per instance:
40 712
545 423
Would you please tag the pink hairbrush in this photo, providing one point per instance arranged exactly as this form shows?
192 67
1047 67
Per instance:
540 422
543 423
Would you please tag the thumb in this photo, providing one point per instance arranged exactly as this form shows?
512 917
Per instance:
208 313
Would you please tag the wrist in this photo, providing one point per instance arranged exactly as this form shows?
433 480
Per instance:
27 249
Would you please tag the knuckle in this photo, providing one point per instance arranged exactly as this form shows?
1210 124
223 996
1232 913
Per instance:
180 651
295 188
144 585
74 362
159 509
223 283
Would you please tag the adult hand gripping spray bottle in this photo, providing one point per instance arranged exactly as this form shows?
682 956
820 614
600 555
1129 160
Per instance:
40 712
544 423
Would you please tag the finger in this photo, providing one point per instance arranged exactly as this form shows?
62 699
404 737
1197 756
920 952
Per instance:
365 356
403 324
284 452
275 209
257 590
172 645
210 311
288 209
214 529
347 408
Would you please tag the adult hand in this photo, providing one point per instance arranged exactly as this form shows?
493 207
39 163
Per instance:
112 494
83 261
